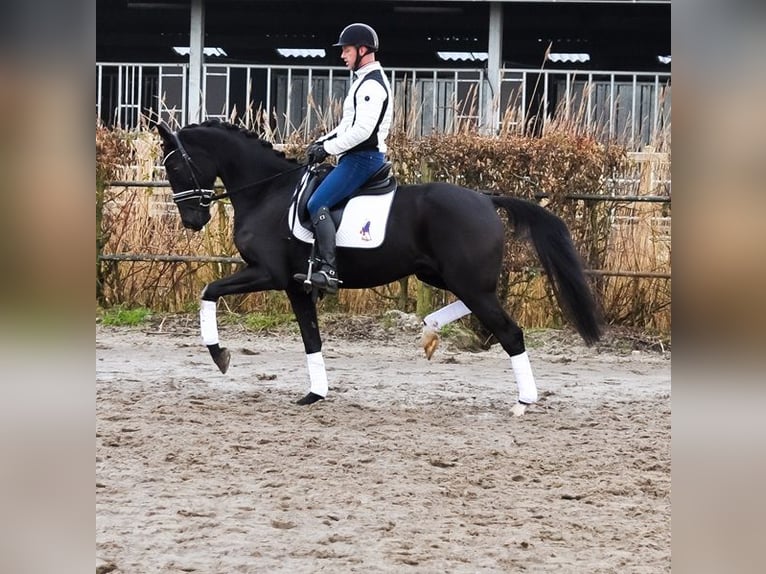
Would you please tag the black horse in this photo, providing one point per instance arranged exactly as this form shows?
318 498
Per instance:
447 236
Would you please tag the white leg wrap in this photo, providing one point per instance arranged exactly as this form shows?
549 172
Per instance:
446 314
208 323
525 381
317 374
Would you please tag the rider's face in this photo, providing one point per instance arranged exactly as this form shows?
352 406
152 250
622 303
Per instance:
348 55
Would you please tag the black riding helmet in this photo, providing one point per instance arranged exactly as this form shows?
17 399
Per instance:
357 35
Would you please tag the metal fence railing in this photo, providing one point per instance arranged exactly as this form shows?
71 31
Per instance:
633 106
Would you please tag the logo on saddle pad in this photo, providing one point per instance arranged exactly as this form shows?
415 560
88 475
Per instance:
360 221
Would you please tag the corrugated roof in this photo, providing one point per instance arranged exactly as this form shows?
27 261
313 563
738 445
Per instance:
568 57
207 50
463 56
301 52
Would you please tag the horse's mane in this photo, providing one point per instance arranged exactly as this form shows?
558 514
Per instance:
228 126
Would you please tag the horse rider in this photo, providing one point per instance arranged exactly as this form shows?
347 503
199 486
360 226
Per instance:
359 141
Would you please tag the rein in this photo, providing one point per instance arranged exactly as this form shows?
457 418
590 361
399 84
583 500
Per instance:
207 196
256 183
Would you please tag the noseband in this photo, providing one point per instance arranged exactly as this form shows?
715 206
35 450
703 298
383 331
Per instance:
207 196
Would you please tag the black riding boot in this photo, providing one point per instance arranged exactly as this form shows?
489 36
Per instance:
326 277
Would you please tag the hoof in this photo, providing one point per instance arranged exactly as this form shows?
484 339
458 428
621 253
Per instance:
429 341
309 399
221 357
519 409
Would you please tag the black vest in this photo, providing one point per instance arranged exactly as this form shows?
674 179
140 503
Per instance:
371 143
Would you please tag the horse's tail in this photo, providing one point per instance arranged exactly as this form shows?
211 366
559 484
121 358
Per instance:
553 244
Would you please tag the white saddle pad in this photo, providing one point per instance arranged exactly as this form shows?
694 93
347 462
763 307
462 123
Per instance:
363 224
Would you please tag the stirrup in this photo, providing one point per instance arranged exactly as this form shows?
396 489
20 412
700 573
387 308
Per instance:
305 278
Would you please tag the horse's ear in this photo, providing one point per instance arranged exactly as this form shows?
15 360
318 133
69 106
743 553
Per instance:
165 132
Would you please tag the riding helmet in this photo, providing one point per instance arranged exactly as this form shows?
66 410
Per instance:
358 35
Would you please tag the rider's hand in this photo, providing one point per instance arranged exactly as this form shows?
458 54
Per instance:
316 153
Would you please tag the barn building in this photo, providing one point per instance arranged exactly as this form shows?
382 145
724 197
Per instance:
493 64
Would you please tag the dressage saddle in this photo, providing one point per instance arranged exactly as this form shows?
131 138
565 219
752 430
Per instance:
379 183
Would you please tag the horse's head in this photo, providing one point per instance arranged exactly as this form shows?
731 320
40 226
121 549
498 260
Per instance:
191 172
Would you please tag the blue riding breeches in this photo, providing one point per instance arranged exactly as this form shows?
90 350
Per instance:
352 171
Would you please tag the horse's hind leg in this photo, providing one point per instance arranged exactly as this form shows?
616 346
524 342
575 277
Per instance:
488 310
432 322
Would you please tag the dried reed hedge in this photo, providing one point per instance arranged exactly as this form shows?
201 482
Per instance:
610 236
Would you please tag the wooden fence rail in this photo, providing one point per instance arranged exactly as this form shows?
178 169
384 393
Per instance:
149 257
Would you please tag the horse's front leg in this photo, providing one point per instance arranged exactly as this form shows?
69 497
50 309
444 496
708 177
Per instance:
306 314
247 280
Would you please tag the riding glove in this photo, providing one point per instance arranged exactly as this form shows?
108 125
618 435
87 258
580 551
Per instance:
316 153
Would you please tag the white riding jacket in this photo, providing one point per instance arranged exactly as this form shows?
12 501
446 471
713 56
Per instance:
367 113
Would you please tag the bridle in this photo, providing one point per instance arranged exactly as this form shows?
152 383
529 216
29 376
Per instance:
207 196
